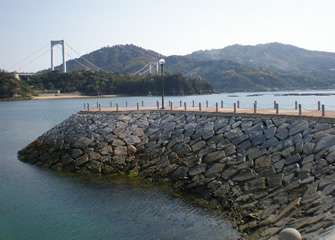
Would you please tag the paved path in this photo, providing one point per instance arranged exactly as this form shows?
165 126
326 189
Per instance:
306 113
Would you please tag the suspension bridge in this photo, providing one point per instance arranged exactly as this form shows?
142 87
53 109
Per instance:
70 54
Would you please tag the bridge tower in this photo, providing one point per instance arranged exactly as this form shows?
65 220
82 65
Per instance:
53 43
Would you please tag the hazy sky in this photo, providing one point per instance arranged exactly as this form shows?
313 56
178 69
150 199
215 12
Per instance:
169 27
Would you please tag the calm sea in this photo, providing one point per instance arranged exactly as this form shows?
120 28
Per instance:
39 204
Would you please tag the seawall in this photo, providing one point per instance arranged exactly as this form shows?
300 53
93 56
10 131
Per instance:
268 172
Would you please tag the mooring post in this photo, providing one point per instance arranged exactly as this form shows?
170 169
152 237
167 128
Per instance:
296 105
255 106
111 104
300 113
274 104
126 103
221 103
199 106
181 103
117 107
138 106
171 105
234 107
217 107
206 103
185 106
142 103
97 104
277 108
99 107
88 106
319 105
238 103
84 106
323 110
193 103
157 103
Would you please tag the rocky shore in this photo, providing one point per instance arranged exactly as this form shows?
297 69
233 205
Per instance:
266 172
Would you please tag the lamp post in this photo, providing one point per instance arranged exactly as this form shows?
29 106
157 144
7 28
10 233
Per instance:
161 62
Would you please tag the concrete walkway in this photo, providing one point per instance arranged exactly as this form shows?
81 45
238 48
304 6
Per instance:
306 113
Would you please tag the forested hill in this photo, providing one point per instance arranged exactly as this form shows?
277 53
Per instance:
119 58
277 57
236 68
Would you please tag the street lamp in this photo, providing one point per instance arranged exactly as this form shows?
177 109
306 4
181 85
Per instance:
161 62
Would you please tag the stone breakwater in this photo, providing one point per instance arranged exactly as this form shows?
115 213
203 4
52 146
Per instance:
268 172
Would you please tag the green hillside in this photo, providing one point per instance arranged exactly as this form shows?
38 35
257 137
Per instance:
264 67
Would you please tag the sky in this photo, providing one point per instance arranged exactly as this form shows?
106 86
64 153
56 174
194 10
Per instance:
169 27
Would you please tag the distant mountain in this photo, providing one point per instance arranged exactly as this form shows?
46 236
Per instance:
277 57
262 67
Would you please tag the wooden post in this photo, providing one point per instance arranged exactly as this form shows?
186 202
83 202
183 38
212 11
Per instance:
193 103
97 104
171 105
323 110
185 106
84 106
117 107
274 104
99 107
221 103
234 107
255 106
138 106
181 103
296 105
88 106
319 105
238 103
300 113
277 108
217 107
157 104
126 103
142 103
199 106
206 103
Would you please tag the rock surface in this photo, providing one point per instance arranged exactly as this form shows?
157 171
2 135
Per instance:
268 173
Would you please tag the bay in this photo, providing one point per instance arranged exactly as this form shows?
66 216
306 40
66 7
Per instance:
41 204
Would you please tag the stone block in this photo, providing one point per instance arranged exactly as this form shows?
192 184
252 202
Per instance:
325 142
262 162
220 123
184 150
214 170
254 153
294 159
291 169
282 133
298 128
255 185
198 146
228 173
322 167
214 156
275 181
198 169
244 175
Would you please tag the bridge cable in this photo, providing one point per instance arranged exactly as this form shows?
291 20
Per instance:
29 57
85 58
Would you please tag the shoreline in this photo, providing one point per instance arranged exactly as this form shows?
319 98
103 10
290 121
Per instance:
71 95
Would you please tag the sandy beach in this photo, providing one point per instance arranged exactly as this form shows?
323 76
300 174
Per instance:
67 95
